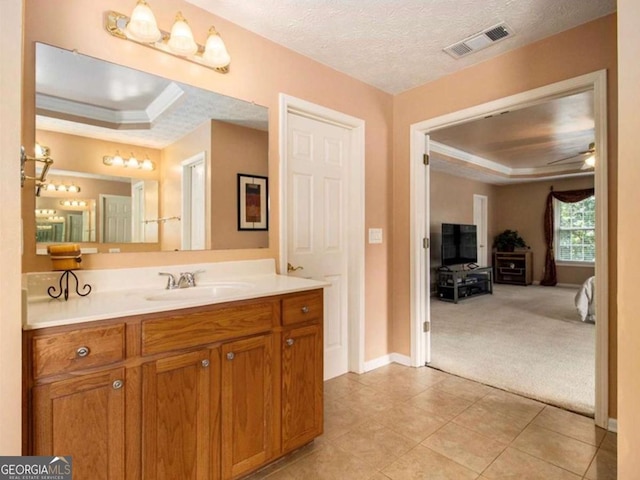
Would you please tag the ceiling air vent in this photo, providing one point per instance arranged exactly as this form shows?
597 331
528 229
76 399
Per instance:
480 40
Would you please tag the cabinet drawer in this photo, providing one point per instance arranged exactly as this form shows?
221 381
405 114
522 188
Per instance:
201 328
303 307
78 349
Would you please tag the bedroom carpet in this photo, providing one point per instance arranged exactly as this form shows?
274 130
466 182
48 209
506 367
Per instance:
525 340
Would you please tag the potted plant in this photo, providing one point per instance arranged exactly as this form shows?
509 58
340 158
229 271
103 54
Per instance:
508 240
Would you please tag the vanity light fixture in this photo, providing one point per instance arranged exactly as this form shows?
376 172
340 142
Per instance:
132 162
41 155
142 28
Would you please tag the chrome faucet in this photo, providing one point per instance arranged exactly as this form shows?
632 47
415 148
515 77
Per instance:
187 279
171 280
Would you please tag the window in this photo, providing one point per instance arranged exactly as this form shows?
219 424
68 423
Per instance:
575 234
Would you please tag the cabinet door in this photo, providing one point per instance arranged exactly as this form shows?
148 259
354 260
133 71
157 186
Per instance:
176 416
247 405
83 417
301 386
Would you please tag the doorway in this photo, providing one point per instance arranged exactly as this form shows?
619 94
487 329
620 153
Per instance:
420 202
322 219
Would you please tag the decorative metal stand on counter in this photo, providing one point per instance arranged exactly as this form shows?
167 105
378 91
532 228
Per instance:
64 279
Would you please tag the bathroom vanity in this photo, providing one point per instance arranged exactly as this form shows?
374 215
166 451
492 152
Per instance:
199 388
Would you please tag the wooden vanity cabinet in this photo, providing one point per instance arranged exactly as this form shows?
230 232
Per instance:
302 408
84 417
212 392
179 410
248 408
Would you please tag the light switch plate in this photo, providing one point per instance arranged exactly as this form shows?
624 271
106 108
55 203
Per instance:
375 235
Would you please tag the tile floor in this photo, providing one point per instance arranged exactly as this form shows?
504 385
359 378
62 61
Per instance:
403 423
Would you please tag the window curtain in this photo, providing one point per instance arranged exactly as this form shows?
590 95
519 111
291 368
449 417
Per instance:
569 196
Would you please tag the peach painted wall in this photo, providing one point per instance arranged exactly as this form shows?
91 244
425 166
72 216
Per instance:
260 71
451 200
235 149
584 49
199 140
10 300
522 207
628 234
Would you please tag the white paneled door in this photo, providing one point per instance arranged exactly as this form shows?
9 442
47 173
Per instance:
480 219
317 191
116 220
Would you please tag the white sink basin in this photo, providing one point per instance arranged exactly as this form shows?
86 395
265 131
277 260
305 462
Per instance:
203 292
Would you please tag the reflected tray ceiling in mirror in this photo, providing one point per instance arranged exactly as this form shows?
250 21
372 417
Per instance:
83 84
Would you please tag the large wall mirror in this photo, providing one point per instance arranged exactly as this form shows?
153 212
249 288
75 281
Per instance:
143 163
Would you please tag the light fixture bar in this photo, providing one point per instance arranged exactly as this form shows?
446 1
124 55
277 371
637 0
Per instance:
131 162
115 24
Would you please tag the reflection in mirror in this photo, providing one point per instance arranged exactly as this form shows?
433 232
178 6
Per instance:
155 160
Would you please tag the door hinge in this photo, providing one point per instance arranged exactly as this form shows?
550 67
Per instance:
426 327
426 243
425 159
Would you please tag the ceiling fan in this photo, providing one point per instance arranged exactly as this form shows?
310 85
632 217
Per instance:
589 161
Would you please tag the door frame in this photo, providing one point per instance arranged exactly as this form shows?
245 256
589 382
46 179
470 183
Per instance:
355 215
419 201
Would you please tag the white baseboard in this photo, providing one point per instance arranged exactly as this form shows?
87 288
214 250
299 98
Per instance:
386 360
377 363
401 359
613 425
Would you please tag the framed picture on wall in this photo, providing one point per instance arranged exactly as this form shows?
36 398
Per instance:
252 202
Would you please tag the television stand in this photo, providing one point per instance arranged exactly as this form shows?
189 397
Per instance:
456 283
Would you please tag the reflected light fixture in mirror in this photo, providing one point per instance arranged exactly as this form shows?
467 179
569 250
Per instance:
52 187
132 162
142 28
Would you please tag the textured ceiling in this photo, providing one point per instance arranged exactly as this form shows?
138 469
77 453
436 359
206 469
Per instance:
396 45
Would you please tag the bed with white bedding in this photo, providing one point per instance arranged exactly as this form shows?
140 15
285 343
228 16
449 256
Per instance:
585 301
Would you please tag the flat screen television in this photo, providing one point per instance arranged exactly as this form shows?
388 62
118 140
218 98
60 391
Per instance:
459 244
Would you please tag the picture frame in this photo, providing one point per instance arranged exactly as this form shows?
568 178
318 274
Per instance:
253 195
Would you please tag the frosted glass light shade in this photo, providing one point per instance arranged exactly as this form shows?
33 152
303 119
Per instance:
590 161
132 162
215 51
181 41
117 160
147 164
143 26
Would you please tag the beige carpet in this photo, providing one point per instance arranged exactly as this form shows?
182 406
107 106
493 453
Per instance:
526 340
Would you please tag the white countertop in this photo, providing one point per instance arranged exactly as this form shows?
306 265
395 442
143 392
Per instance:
141 291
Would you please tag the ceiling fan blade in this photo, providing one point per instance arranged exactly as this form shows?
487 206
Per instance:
569 158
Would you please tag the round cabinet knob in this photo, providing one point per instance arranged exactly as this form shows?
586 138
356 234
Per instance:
305 309
205 363
231 356
290 341
82 351
117 385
